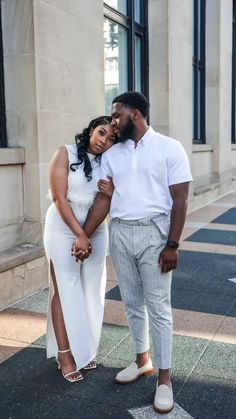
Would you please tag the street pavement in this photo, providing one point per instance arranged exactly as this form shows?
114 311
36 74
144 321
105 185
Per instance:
204 345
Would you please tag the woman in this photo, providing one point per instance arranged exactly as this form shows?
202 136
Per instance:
76 289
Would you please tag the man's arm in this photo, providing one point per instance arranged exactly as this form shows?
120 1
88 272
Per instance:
169 256
179 195
95 217
97 213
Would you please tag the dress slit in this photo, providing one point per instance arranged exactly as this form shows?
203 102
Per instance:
53 283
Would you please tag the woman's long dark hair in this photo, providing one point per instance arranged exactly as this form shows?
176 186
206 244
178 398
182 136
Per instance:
82 143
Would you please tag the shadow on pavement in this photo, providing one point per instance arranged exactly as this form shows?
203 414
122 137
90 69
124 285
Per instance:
32 387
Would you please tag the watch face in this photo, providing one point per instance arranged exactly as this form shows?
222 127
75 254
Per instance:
173 244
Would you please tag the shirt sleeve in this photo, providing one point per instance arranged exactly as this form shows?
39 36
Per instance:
105 168
178 165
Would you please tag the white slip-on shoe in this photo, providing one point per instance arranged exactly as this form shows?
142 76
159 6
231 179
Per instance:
132 372
163 401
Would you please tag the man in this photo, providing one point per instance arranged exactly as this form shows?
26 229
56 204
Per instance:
151 178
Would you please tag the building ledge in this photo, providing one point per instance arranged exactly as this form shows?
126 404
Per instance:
233 146
206 188
198 148
18 255
12 156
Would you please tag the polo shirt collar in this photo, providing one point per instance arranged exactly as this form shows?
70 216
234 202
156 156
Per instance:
146 136
150 131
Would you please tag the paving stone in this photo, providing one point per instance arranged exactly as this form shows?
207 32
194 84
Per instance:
232 310
37 302
149 413
207 397
110 338
227 217
40 342
83 409
186 352
206 235
102 388
219 361
114 294
203 302
202 271
125 349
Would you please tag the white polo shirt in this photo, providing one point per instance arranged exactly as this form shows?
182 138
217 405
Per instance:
142 175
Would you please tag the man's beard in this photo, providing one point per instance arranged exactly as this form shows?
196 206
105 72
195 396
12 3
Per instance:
127 131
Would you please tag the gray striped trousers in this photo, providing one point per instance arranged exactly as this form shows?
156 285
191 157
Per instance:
135 246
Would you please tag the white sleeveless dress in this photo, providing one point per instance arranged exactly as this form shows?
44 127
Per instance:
81 286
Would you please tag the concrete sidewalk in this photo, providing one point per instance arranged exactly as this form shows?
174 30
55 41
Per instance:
204 349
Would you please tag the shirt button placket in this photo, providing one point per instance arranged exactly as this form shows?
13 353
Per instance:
135 158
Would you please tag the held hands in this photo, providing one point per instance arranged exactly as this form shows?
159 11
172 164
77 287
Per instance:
168 259
81 248
106 186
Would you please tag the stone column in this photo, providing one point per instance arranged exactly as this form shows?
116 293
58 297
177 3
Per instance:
159 65
180 72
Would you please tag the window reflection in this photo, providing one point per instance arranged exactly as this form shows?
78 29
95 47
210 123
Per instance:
137 11
120 5
116 64
137 63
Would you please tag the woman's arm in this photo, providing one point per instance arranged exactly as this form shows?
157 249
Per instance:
58 175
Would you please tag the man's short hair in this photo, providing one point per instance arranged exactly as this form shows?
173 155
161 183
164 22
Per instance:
135 100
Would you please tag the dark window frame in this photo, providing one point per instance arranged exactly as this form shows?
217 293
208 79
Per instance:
199 72
3 129
133 28
233 103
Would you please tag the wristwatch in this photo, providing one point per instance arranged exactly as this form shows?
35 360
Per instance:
172 244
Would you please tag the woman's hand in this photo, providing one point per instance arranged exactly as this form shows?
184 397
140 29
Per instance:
106 186
81 248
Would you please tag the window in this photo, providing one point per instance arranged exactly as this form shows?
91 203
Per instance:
3 136
233 116
120 5
199 135
125 47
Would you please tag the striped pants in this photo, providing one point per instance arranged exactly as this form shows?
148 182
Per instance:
135 246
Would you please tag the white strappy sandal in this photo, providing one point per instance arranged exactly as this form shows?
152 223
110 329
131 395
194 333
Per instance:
68 376
91 365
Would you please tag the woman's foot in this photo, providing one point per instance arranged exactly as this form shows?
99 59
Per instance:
91 365
67 366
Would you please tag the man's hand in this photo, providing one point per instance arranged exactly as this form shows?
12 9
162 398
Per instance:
106 186
81 248
168 259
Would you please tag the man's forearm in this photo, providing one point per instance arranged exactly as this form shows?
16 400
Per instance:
97 213
177 219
